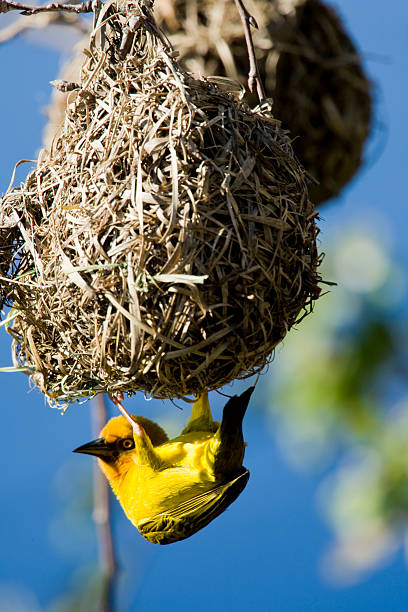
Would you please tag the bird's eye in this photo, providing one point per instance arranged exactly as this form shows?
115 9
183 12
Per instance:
127 444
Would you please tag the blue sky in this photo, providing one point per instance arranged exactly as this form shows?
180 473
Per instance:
263 553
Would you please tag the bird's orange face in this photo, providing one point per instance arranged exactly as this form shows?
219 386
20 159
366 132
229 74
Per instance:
113 447
117 438
117 431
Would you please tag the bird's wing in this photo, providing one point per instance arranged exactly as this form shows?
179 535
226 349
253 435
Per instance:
192 515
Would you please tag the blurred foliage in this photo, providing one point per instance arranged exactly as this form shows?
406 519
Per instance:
340 399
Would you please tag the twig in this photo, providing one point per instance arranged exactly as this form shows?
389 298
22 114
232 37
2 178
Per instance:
64 86
102 516
9 5
254 78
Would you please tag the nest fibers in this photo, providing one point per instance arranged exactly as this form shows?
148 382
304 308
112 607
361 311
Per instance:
171 239
309 65
10 242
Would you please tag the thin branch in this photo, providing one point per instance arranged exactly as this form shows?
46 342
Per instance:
25 9
65 86
102 516
254 78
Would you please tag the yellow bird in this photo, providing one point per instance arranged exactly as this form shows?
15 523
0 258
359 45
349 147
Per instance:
170 489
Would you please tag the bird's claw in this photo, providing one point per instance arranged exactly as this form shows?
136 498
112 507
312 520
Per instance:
117 398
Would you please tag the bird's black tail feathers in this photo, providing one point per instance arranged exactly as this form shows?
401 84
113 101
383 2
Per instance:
235 408
230 452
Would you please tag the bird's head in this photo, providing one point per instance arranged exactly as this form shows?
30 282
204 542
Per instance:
120 439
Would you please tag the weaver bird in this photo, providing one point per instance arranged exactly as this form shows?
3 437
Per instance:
170 489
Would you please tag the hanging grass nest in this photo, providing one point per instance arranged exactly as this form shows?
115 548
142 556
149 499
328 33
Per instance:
171 239
308 63
323 95
11 241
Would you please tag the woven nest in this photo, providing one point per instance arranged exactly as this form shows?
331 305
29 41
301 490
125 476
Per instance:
323 95
171 239
10 243
310 68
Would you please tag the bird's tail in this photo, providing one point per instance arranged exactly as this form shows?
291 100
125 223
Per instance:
228 447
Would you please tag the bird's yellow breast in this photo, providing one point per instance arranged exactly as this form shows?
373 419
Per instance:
144 492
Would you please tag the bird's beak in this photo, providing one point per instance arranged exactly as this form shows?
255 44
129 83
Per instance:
97 447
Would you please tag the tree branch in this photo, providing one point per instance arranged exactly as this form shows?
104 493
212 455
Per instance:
25 9
102 516
254 78
65 86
